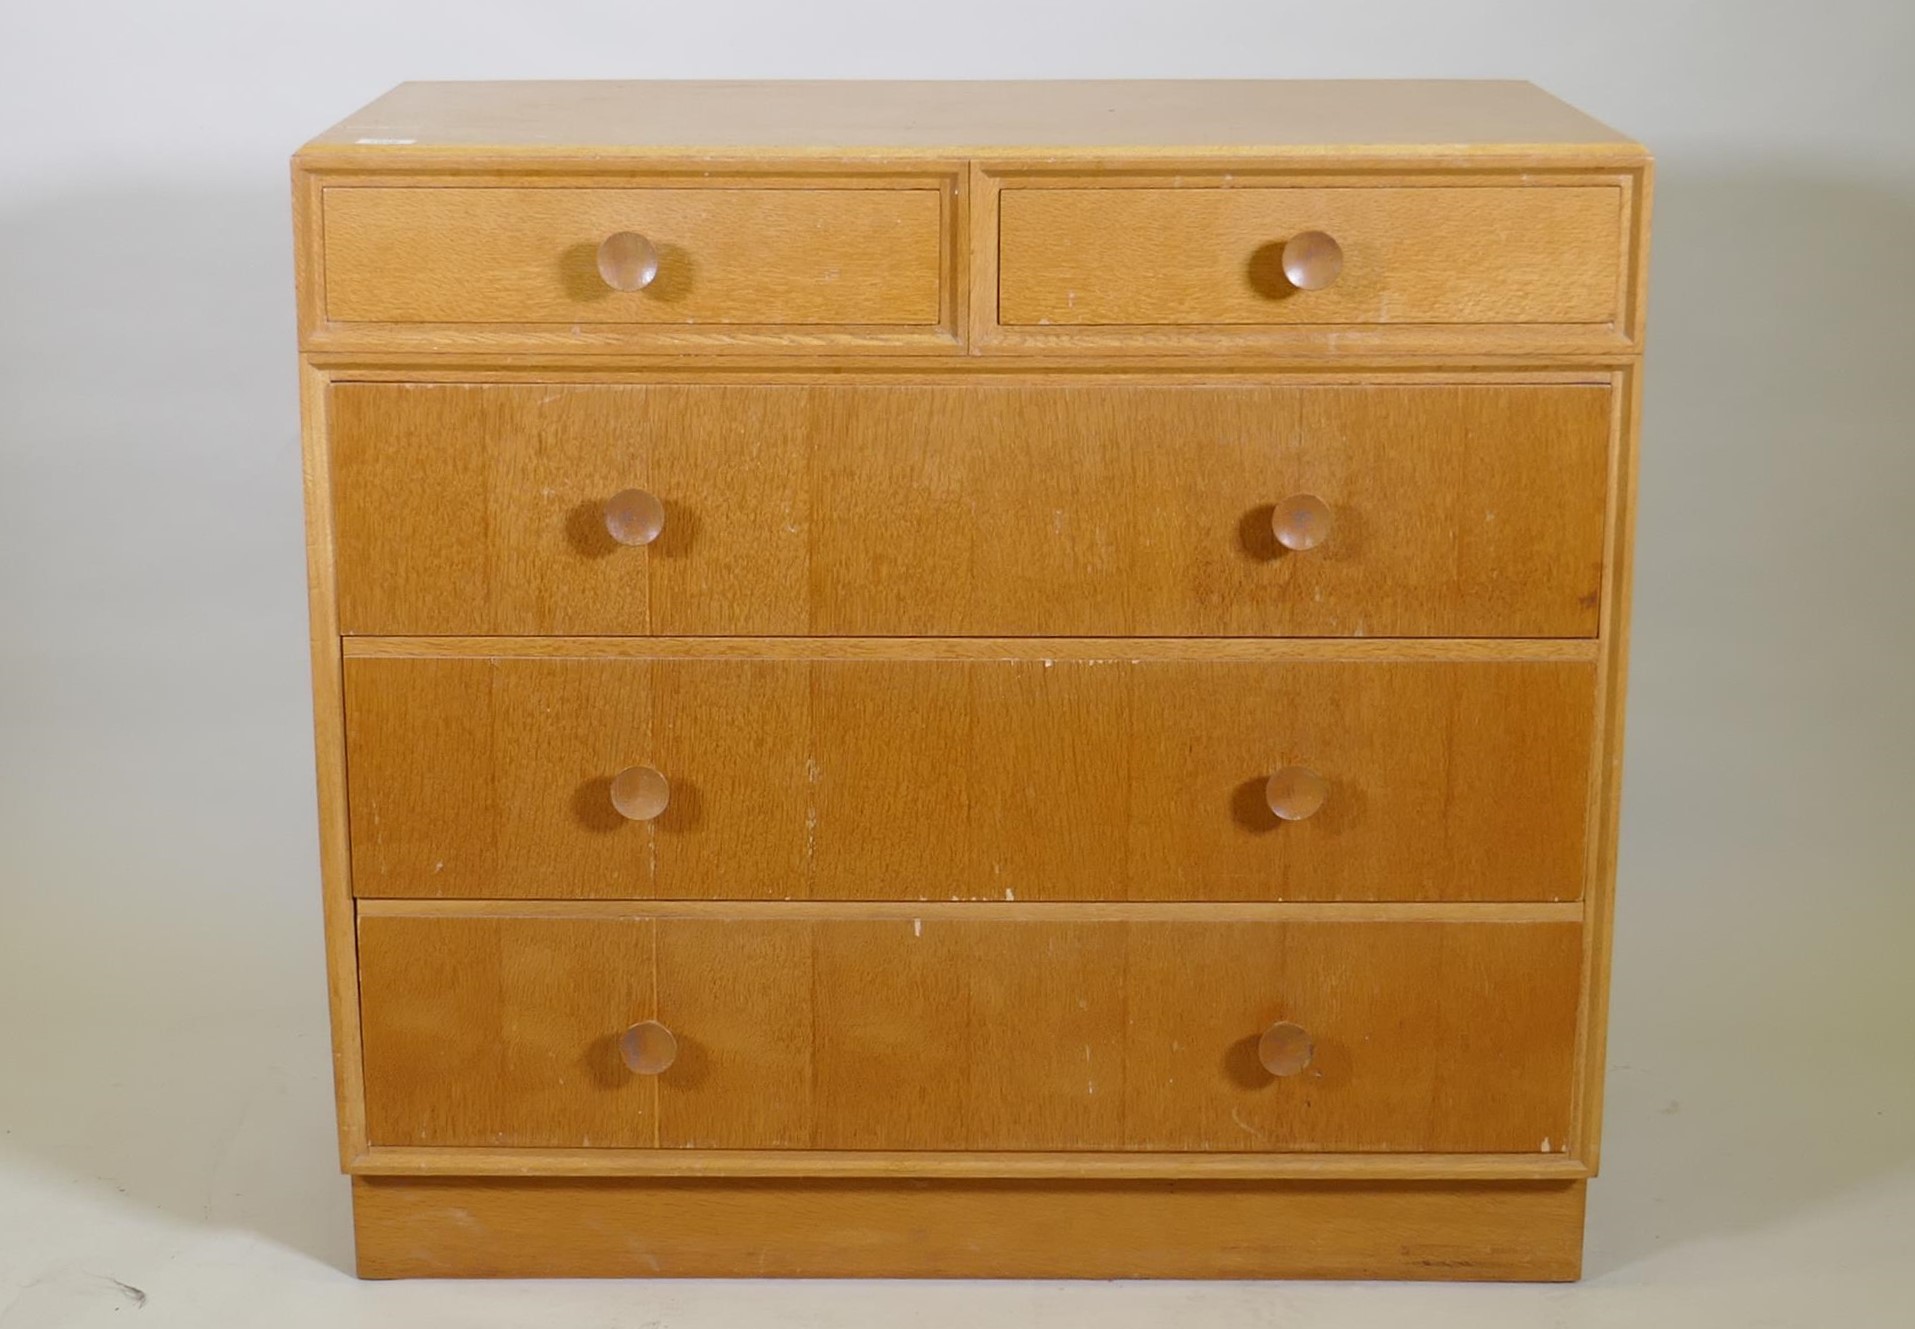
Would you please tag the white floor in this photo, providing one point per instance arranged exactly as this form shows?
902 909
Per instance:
179 1173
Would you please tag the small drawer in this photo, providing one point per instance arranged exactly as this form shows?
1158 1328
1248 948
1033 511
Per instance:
943 779
937 1033
724 256
937 510
1351 255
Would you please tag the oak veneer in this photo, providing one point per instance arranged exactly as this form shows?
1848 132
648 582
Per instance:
1293 650
819 1032
967 1164
1045 779
969 407
757 256
329 751
1197 255
580 124
1461 510
903 1228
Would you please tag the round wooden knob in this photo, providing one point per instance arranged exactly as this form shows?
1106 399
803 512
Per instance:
648 1048
628 261
1312 260
640 793
1301 521
1286 1049
634 517
1295 792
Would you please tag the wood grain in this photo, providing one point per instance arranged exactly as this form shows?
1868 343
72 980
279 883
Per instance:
970 510
1297 650
793 120
1214 255
464 364
539 1015
1298 341
329 752
1606 780
746 256
1055 911
946 384
940 780
970 1164
465 1228
855 1034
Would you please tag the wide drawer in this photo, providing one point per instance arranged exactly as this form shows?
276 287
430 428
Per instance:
722 256
938 1033
1100 510
1478 255
941 779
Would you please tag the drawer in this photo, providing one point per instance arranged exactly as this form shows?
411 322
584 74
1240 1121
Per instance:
937 1033
722 256
942 779
1415 255
1105 510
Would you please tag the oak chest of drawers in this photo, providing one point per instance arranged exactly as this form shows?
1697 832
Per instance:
946 679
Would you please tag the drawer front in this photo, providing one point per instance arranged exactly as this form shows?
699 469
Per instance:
972 510
724 256
1427 255
937 1034
985 779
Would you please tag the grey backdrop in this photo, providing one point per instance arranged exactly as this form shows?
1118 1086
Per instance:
161 993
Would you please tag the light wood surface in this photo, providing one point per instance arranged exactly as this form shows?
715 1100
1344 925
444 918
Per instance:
973 142
1268 650
945 1034
900 119
932 780
329 750
970 510
479 1228
749 256
1052 911
463 366
1606 795
1233 270
969 406
969 1164
1195 255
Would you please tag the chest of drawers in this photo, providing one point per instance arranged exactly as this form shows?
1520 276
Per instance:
969 679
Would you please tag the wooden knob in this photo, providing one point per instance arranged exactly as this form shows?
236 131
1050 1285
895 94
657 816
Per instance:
1312 260
1286 1049
1295 792
640 793
634 517
648 1048
628 261
1301 521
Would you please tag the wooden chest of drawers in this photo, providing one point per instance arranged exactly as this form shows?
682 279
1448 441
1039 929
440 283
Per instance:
970 679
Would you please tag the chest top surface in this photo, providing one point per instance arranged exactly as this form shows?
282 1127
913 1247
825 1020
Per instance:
997 119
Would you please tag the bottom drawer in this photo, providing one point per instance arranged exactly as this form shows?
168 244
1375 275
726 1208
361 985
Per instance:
880 1030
